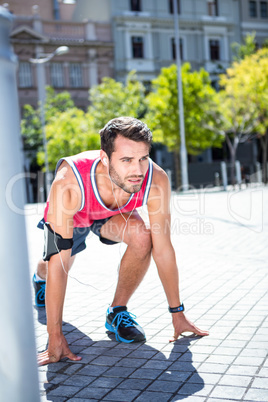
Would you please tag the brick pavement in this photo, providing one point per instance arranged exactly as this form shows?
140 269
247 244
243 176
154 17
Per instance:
221 246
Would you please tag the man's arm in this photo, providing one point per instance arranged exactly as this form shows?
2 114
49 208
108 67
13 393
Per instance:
163 251
64 202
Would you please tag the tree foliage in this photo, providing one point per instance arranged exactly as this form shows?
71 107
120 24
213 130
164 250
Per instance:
68 133
113 99
243 101
31 122
247 48
199 104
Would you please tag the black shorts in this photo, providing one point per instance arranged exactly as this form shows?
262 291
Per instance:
80 234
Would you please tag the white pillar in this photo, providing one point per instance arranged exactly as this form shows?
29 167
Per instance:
18 367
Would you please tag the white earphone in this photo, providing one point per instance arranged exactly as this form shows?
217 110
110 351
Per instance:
105 161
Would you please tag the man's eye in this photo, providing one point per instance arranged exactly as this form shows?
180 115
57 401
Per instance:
126 160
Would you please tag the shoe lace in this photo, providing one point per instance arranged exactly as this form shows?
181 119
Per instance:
125 318
41 292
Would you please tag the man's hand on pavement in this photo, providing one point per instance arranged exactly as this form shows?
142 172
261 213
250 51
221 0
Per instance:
182 324
58 348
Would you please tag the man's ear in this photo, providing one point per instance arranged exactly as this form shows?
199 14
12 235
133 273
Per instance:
104 158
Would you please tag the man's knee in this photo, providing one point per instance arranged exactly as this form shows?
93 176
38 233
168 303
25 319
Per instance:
140 237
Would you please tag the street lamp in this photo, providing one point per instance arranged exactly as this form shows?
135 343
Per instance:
41 59
183 151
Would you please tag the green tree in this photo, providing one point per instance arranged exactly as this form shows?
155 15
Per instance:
243 104
69 133
240 51
31 123
113 99
199 110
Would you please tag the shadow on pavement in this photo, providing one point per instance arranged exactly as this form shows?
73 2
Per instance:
130 369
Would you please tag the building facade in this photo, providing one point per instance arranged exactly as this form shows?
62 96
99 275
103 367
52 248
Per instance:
143 31
39 28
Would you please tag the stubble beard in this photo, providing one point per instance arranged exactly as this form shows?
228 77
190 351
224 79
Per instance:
117 180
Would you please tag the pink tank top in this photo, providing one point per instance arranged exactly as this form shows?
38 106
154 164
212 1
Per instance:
92 207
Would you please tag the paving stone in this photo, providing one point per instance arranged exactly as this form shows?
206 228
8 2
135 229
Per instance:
150 374
119 372
235 393
64 391
150 396
121 395
92 392
258 395
106 382
136 383
164 386
236 380
260 383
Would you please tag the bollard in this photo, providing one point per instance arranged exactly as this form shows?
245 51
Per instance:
258 172
238 173
224 175
18 366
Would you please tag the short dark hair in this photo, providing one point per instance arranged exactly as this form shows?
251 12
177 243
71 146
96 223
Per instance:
128 127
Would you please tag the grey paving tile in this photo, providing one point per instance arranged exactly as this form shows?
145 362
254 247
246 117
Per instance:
177 376
190 389
258 395
79 380
121 395
260 382
204 378
130 362
242 370
93 370
150 396
229 392
248 361
64 391
236 380
212 368
136 383
263 372
92 393
164 386
149 374
119 372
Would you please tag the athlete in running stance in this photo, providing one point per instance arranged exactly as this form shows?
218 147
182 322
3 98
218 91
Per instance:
101 195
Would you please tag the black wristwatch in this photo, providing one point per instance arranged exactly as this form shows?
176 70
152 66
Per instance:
176 309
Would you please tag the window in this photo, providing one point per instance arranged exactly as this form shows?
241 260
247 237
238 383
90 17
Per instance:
171 8
135 5
214 49
253 9
213 8
173 49
76 79
137 47
56 72
25 75
264 9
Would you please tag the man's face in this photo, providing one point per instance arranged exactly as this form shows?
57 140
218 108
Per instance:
129 164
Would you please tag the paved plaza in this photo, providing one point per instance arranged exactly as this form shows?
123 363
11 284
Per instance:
221 243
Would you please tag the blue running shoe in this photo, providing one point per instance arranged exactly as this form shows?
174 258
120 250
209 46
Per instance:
40 292
123 325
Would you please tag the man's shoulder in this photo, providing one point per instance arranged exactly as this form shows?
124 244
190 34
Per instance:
159 175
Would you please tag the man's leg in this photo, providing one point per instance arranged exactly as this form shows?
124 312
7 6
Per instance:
136 259
39 281
133 267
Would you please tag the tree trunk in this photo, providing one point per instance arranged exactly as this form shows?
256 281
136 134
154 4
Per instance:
264 146
232 149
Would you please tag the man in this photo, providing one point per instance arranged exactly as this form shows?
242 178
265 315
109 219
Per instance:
102 195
